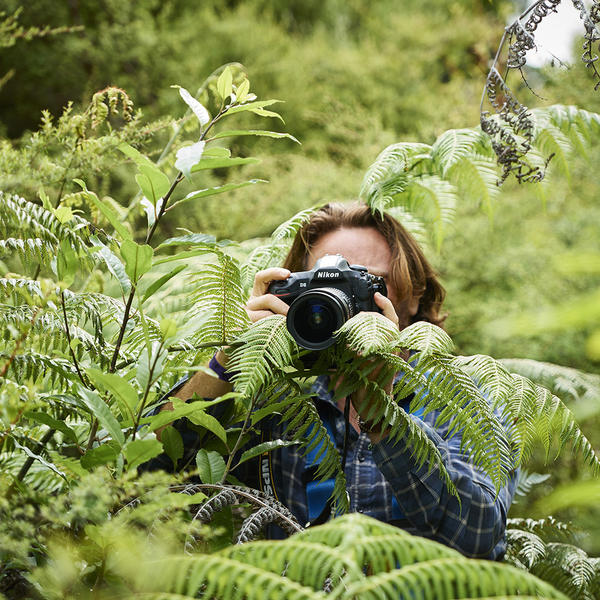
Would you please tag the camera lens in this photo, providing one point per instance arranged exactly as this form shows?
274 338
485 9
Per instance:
315 315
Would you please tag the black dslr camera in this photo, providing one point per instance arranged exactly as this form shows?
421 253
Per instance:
323 299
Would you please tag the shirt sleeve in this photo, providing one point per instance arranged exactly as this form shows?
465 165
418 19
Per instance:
476 525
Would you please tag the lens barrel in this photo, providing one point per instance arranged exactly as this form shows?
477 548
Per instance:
315 315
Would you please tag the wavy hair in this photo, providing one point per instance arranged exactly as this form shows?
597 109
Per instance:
410 272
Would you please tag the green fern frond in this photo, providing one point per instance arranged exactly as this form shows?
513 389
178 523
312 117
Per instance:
29 250
454 145
288 229
552 141
526 481
264 348
310 564
476 178
413 224
564 382
56 372
548 529
425 338
25 288
451 578
491 377
524 548
262 257
216 576
462 405
368 332
386 176
218 299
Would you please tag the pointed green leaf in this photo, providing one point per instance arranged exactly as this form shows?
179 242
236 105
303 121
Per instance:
211 466
224 83
138 259
251 106
222 163
115 266
102 412
241 93
154 287
188 157
172 444
110 215
255 132
138 158
40 417
153 183
123 392
140 451
264 447
101 455
261 112
40 459
216 190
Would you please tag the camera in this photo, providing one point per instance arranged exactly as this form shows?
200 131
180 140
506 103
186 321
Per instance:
323 299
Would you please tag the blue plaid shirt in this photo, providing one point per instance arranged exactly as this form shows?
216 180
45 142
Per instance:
375 473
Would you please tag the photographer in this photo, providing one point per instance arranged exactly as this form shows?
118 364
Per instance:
384 479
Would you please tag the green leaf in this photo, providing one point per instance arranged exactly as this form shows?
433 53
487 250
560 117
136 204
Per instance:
40 459
222 163
192 238
211 466
213 191
153 183
139 451
261 112
241 93
123 392
172 444
138 158
40 417
188 157
196 107
102 412
264 447
149 368
110 215
138 259
256 132
209 422
66 262
198 251
154 287
250 106
225 83
115 266
101 455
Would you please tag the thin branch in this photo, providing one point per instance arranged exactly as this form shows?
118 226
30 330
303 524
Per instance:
64 310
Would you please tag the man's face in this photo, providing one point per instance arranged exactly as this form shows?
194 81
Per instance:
363 246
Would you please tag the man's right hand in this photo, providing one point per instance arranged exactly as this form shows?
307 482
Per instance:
261 304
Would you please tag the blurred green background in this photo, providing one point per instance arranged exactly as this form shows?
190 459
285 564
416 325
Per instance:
355 76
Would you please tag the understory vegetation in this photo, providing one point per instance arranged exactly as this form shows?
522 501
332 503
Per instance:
178 151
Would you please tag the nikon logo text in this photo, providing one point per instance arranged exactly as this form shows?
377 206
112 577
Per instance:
327 274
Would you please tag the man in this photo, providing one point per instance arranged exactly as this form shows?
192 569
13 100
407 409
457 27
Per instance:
384 479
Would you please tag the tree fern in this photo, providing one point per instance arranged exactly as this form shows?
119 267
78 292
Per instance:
218 299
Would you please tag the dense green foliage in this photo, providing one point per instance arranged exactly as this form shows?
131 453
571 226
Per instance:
115 279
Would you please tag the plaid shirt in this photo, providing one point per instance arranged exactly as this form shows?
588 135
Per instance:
376 473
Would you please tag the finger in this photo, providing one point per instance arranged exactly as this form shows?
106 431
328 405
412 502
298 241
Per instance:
386 306
268 302
263 278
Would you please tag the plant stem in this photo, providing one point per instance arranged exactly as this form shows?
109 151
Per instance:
29 461
238 441
64 310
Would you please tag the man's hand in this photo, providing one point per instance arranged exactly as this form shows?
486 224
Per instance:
262 304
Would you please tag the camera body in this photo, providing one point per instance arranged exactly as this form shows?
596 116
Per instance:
323 299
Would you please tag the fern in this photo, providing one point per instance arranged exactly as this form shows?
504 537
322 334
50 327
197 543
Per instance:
218 300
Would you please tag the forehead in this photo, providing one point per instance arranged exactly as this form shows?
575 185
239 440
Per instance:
358 245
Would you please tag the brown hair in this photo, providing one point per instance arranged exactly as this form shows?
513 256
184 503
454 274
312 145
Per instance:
410 273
